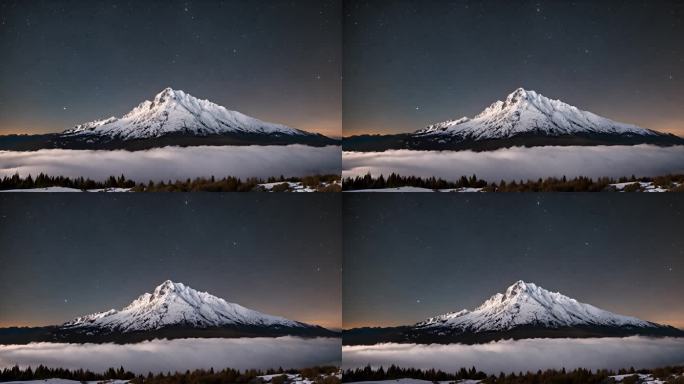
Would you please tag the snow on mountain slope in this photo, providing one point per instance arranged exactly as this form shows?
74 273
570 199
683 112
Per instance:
177 304
174 111
526 111
527 304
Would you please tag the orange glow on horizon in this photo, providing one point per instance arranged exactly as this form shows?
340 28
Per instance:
329 321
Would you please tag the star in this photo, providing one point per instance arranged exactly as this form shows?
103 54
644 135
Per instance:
418 301
66 300
64 108
417 108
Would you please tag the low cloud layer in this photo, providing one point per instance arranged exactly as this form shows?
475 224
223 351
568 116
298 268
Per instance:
176 163
180 354
521 163
523 355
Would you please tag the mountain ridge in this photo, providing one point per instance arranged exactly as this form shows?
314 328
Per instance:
523 118
175 303
172 111
171 118
172 310
524 310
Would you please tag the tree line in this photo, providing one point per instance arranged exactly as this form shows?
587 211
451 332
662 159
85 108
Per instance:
319 375
673 183
320 183
670 375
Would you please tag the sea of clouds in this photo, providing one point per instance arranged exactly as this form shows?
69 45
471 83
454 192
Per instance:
179 354
176 163
523 355
520 163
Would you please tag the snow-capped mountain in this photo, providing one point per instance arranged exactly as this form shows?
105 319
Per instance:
524 118
524 310
526 111
174 111
173 304
526 304
171 118
172 310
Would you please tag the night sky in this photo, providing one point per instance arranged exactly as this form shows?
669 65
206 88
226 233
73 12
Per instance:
411 256
64 255
67 62
411 63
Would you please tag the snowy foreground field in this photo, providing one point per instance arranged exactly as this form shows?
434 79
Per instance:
416 381
291 379
643 186
286 186
63 381
65 189
642 379
178 355
520 163
523 355
418 189
176 163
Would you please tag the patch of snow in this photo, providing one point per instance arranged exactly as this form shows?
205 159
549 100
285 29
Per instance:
397 189
294 378
417 381
64 189
64 381
295 186
643 378
417 189
110 190
645 186
47 189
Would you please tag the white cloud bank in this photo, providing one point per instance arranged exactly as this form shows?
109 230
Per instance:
176 163
179 354
520 163
523 355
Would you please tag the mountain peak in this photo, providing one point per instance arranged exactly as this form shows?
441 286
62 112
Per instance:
520 93
166 93
529 304
172 304
519 287
168 286
528 112
173 112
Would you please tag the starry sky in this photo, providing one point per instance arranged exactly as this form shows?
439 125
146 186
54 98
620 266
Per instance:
64 255
411 256
411 63
67 62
